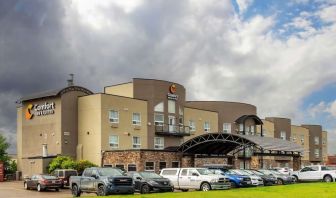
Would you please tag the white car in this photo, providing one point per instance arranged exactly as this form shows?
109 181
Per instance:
283 170
256 180
315 173
195 178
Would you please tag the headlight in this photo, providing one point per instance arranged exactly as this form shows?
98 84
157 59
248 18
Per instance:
110 180
151 182
214 180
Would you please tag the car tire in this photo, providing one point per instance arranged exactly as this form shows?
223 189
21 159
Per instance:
184 190
75 191
39 189
101 190
233 185
205 187
327 178
280 182
296 179
25 185
144 189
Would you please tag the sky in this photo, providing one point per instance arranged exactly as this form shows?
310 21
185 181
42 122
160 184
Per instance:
278 55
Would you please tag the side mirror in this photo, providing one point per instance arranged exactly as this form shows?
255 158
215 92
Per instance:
94 176
194 174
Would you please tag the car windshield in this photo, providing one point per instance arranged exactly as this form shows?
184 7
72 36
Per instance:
275 172
204 171
109 172
267 172
48 177
229 172
149 175
257 172
248 172
239 172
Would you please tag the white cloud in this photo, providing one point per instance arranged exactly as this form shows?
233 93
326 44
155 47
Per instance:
243 5
328 14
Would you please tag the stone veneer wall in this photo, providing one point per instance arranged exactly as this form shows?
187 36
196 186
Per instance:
199 162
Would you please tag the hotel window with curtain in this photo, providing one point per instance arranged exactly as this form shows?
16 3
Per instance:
136 142
171 106
316 140
283 135
192 125
227 128
114 141
206 127
158 119
136 119
158 143
114 116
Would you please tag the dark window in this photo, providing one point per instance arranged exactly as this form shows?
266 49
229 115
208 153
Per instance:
60 173
184 172
107 165
120 166
162 165
175 164
131 167
88 173
149 166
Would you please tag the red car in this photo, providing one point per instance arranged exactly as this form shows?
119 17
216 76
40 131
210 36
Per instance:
43 182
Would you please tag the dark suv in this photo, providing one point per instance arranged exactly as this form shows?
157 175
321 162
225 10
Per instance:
146 182
64 175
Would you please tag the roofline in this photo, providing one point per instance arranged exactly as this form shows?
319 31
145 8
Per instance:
279 118
117 84
221 101
157 80
100 93
201 109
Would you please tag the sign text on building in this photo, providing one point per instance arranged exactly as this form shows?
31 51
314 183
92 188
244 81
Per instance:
40 109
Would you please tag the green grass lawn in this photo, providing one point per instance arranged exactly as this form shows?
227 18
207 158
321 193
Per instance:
303 190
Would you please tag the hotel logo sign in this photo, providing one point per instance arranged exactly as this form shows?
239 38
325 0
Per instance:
39 110
172 90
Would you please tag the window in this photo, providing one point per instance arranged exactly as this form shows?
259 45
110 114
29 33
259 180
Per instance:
159 107
131 167
175 164
120 166
324 141
171 106
184 172
180 111
227 128
283 135
114 116
108 165
136 119
252 130
149 166
114 141
169 172
206 127
162 165
294 137
241 127
302 139
158 119
316 140
317 153
136 142
158 142
192 125
181 121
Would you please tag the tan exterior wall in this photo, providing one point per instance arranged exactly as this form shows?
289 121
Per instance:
281 124
89 128
297 133
19 138
120 90
314 131
268 128
199 117
42 130
35 166
125 129
325 146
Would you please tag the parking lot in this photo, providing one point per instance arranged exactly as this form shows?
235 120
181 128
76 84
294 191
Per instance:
15 189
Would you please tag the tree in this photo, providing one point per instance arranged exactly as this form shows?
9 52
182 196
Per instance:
4 145
66 162
83 164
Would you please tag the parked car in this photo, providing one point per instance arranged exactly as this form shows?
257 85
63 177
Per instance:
195 178
256 180
102 181
42 182
64 175
145 182
315 173
281 178
234 179
283 170
268 179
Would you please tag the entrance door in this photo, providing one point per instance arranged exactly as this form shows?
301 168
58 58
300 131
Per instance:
171 123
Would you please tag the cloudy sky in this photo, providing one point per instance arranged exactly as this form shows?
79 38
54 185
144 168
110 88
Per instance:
279 55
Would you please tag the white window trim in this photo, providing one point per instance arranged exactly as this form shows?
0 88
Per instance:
159 146
114 147
117 119
159 123
228 130
153 166
136 167
207 130
136 122
133 144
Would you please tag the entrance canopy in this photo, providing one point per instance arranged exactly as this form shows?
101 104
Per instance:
224 143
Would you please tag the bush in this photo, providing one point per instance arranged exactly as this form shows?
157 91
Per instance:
66 162
83 164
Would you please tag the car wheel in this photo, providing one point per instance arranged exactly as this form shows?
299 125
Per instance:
184 190
280 182
296 179
205 187
233 185
101 190
327 179
144 189
25 185
75 191
39 188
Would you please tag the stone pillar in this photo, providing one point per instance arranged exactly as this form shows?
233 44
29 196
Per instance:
255 162
188 161
296 163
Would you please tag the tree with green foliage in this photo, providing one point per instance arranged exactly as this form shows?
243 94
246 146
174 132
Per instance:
83 164
66 162
10 166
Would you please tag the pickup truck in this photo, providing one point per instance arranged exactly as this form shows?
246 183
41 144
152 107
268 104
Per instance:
236 181
195 178
315 173
102 181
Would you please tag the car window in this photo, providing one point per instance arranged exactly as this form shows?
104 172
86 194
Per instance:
191 171
184 172
305 169
327 168
87 173
70 173
314 168
169 172
60 174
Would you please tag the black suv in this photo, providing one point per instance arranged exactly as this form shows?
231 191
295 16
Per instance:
146 182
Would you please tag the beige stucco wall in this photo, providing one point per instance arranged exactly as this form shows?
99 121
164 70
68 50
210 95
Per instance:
268 128
19 138
120 90
125 129
297 132
199 117
325 146
89 128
